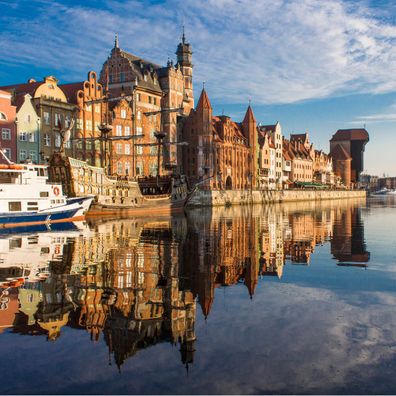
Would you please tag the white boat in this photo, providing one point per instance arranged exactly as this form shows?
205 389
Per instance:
27 198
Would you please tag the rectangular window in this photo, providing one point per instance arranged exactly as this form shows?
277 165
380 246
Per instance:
139 168
22 155
119 167
88 145
6 134
67 121
127 149
7 152
79 123
23 136
88 125
155 100
139 130
43 194
139 150
138 97
149 99
14 206
31 137
88 107
123 113
46 116
119 130
57 139
47 140
139 115
119 148
97 108
97 124
127 168
58 119
33 155
127 131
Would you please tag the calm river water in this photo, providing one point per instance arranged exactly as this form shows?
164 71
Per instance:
292 298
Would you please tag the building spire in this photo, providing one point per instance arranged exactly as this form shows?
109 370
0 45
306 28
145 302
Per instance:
183 36
116 41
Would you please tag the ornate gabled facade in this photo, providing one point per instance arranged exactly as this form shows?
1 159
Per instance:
323 168
275 134
53 109
89 114
221 153
302 156
159 95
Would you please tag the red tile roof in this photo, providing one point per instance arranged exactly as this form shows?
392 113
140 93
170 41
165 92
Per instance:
70 90
350 134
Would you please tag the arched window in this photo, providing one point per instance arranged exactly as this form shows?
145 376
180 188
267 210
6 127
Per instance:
3 117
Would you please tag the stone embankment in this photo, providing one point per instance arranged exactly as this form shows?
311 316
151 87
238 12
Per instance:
231 197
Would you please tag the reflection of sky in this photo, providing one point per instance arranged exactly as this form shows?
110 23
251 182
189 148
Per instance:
320 329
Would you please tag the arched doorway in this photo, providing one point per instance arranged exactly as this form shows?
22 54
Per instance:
228 185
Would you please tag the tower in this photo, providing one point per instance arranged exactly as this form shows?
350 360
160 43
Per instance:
249 127
184 61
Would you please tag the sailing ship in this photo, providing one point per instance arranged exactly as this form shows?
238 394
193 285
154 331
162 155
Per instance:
150 195
28 199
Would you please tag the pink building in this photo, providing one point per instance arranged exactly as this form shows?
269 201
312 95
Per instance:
7 127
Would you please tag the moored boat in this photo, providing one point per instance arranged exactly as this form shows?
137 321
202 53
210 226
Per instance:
151 195
27 198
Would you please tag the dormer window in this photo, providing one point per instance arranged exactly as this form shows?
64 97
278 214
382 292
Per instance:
3 117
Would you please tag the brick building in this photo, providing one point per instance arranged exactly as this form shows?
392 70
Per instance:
220 150
353 142
88 118
7 127
160 94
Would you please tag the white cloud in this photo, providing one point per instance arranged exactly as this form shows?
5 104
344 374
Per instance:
387 116
272 51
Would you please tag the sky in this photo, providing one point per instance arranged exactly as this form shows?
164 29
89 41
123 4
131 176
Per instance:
312 65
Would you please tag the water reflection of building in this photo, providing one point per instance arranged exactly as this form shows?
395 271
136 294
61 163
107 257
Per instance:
134 283
347 244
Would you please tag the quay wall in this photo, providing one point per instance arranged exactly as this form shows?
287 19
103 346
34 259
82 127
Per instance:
233 197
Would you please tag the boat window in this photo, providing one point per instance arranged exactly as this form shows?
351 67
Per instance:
45 250
32 206
14 206
43 194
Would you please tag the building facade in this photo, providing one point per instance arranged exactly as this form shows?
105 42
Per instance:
7 127
53 109
160 96
28 130
221 154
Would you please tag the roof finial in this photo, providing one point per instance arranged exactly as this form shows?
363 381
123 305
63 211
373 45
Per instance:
203 85
116 41
250 101
183 36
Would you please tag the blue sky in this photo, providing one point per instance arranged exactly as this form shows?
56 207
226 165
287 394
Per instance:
314 65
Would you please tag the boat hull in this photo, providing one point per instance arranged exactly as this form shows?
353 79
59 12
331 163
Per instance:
74 210
146 208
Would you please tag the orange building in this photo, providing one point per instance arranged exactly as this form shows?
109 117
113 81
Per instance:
220 150
89 116
160 94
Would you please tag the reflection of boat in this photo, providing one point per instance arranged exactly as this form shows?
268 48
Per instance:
26 258
27 199
147 195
